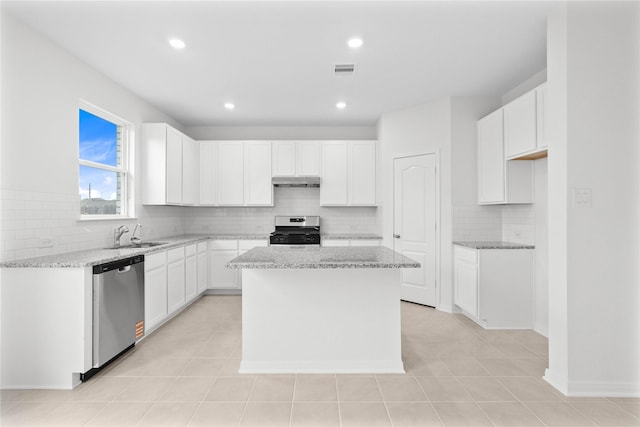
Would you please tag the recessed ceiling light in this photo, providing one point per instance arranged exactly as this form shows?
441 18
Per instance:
341 105
177 43
354 43
229 105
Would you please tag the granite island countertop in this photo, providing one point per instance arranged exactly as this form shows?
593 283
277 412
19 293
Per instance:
495 244
323 257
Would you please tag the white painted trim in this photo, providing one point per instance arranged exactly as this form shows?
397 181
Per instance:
438 216
593 389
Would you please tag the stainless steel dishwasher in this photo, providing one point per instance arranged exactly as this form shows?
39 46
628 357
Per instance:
118 309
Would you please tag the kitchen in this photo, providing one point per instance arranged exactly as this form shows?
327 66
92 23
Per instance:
42 84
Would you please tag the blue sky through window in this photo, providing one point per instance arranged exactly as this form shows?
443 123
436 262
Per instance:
98 139
98 143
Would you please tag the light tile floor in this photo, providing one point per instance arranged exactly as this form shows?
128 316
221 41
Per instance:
185 373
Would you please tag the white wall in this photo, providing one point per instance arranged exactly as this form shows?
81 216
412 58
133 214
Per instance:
281 132
41 87
447 127
594 292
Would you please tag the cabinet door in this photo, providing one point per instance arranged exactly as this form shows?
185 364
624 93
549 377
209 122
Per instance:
491 162
155 290
466 286
362 173
174 166
284 158
258 190
230 173
333 189
203 267
207 172
541 122
328 242
222 277
189 171
175 285
191 277
520 125
308 158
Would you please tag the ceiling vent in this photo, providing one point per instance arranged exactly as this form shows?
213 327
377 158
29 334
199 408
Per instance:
344 69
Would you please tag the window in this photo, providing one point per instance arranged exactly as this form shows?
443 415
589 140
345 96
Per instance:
103 164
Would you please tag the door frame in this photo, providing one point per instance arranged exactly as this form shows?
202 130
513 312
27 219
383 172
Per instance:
436 153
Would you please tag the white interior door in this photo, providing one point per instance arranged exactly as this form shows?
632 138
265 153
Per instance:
414 229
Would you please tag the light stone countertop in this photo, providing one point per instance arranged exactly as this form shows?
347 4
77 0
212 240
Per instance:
494 245
95 256
354 236
324 257
91 257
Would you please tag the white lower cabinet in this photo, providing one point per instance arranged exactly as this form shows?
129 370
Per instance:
203 267
155 289
175 279
494 287
350 242
220 253
190 272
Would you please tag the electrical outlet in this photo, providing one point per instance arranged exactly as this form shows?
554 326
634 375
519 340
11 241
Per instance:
45 242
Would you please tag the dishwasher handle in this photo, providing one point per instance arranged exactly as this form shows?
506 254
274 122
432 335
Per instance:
124 269
119 265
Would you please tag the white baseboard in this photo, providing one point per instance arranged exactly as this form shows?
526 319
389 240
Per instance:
592 389
322 367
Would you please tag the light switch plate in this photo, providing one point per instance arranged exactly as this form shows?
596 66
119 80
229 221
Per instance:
582 198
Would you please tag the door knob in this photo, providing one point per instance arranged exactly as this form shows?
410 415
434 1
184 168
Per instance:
396 236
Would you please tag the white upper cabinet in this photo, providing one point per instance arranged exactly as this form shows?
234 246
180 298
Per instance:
230 171
520 125
542 122
362 173
491 159
500 181
524 125
235 173
189 171
292 158
161 164
335 175
284 158
258 190
169 174
348 173
208 163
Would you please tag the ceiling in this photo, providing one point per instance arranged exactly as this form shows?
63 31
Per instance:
275 60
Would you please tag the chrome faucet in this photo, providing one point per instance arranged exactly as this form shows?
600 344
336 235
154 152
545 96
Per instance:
117 233
134 239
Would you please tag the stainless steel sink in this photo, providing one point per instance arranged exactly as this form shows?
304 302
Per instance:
139 246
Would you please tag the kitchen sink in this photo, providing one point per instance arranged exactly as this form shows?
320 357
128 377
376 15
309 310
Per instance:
139 245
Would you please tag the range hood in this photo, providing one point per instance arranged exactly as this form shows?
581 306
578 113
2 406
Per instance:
296 181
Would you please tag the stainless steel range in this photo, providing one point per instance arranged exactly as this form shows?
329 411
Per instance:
296 231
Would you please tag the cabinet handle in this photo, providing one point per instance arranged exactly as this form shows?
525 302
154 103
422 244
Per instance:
396 236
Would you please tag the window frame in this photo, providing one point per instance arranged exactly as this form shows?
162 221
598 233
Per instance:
126 138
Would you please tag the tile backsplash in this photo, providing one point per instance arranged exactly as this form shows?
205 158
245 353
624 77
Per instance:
512 223
35 224
288 201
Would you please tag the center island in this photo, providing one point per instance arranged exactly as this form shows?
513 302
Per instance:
321 310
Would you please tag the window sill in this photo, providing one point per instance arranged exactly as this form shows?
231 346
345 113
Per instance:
86 218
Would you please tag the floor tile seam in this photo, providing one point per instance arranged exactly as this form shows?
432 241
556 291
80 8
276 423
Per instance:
293 396
246 402
561 398
584 414
528 409
619 405
555 402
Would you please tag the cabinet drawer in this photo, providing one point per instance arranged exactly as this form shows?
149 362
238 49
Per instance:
249 244
465 254
190 250
175 254
202 247
224 244
155 260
